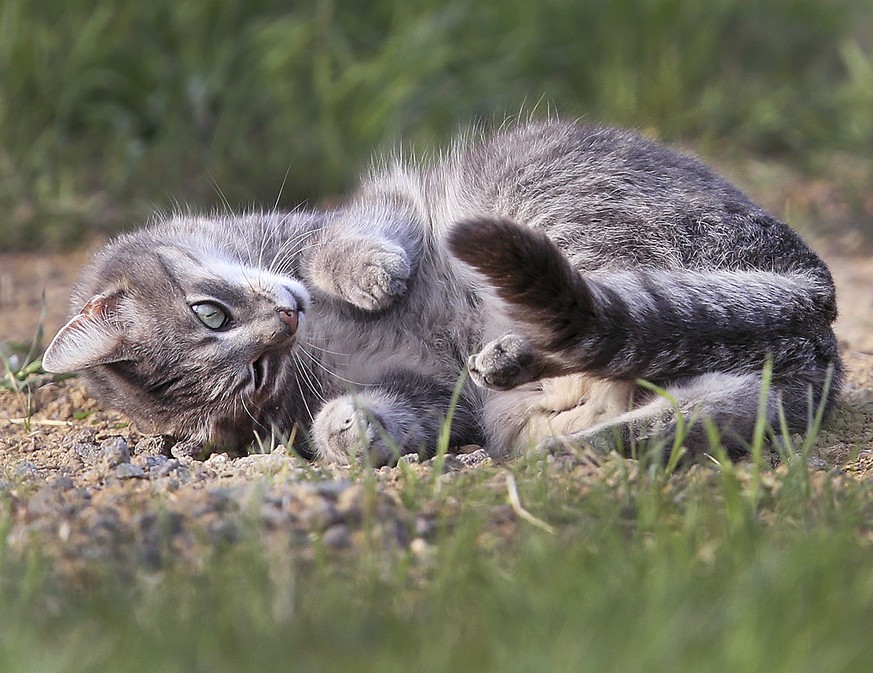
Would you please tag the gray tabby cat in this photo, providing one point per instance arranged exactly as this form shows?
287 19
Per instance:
589 258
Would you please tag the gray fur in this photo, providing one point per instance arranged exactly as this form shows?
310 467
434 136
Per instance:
682 280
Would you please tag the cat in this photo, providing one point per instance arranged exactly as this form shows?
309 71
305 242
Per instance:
575 259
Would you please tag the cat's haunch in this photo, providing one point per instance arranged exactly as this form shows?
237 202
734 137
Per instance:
560 263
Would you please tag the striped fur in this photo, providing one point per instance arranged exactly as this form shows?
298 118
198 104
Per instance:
569 260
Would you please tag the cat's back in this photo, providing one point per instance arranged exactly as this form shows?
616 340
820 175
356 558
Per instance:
611 198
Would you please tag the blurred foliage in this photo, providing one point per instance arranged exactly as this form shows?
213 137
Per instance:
110 109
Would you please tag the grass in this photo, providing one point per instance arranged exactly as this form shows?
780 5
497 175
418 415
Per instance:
712 569
111 110
21 368
581 564
584 563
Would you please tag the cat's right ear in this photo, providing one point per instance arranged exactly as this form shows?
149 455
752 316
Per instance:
93 336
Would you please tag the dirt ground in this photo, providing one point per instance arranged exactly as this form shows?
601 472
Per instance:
84 482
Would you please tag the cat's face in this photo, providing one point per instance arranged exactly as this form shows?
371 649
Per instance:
182 339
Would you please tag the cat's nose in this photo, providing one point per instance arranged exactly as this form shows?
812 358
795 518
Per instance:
289 316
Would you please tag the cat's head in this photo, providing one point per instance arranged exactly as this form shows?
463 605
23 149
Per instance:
181 336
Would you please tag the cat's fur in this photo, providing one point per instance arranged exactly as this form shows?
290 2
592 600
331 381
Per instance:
605 258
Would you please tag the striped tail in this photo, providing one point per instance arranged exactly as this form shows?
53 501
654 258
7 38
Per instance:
530 273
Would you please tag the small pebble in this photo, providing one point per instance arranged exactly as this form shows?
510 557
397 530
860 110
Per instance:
129 471
318 514
350 503
332 489
171 465
337 537
62 483
273 516
817 464
150 446
421 548
114 451
474 458
26 470
223 531
216 460
151 463
425 526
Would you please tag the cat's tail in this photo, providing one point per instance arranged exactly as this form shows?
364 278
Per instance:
530 273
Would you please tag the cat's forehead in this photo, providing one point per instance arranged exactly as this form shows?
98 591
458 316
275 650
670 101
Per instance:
201 262
208 272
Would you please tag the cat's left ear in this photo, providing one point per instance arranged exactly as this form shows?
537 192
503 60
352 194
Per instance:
92 337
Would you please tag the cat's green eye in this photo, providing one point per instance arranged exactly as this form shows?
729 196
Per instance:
211 314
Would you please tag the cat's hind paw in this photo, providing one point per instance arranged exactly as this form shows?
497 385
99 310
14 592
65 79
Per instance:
504 363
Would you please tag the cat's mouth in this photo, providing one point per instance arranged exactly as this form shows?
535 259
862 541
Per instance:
259 372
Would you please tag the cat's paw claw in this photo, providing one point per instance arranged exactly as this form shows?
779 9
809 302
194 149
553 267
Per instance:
503 364
378 278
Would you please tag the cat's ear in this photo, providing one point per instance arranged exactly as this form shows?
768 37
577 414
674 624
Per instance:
92 337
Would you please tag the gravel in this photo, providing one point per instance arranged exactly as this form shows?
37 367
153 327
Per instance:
94 494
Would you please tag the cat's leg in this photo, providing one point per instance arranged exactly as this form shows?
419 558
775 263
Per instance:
507 363
659 325
374 427
380 423
517 420
367 256
727 402
370 273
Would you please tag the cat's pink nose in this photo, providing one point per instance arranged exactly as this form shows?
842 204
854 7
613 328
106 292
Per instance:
289 316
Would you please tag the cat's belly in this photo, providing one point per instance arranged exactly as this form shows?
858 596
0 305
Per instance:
362 353
521 418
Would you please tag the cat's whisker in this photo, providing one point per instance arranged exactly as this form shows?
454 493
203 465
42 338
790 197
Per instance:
287 251
251 246
274 230
283 256
332 373
316 244
266 241
281 189
250 414
328 351
269 236
303 396
253 285
314 384
288 261
295 238
217 188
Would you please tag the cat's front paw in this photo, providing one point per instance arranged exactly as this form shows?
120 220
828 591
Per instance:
504 363
345 431
375 275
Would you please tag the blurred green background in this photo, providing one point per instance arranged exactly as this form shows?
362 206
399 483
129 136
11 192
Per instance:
111 109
